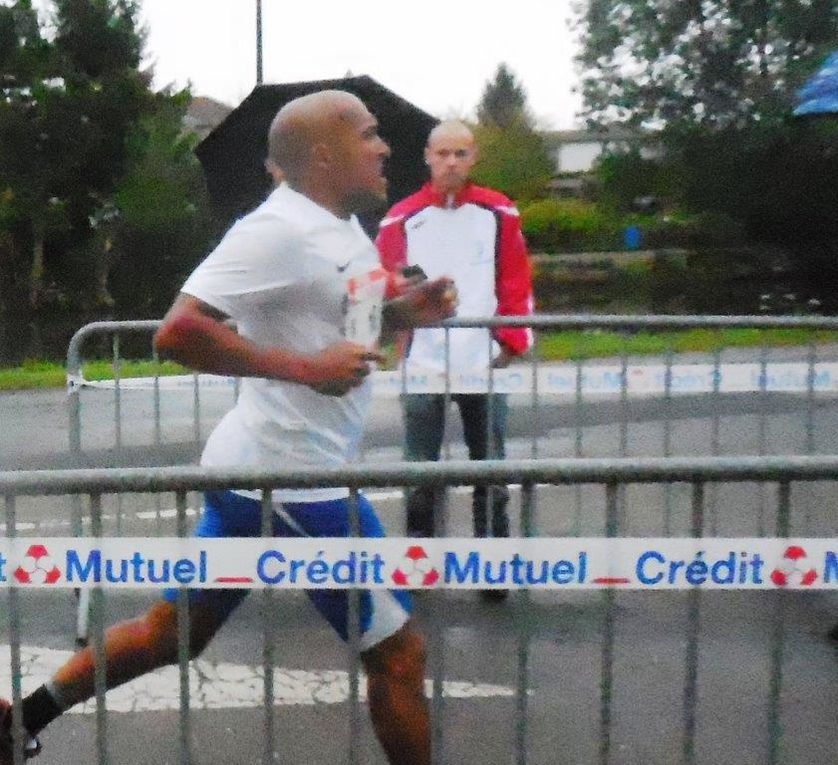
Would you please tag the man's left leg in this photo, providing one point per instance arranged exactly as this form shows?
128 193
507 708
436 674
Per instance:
396 693
486 500
392 650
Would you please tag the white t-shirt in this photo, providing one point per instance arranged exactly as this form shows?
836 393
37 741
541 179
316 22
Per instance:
293 275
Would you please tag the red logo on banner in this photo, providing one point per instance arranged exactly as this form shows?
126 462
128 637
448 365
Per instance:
794 569
37 567
415 569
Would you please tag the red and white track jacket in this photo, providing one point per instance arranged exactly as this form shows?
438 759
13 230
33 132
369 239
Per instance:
475 238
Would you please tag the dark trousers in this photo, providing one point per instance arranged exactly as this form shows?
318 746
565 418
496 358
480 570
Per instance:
424 421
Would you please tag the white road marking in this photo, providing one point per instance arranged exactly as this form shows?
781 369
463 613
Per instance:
217 686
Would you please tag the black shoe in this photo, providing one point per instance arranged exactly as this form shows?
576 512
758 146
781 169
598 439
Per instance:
833 633
494 596
31 747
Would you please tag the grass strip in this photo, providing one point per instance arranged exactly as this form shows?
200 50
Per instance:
32 374
555 346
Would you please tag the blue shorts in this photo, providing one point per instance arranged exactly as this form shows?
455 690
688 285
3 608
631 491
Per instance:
225 514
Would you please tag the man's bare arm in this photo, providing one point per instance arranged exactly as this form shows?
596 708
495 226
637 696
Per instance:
195 335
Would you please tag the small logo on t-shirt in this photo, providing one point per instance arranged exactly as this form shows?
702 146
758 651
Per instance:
343 268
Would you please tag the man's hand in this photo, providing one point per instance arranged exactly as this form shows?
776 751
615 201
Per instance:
502 360
422 304
337 369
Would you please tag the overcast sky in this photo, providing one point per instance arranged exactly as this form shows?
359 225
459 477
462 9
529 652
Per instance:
437 54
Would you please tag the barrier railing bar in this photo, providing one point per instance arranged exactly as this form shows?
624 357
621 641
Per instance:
268 643
491 453
775 730
609 597
436 656
621 490
184 640
117 391
455 472
18 734
810 422
579 409
439 505
762 437
650 321
98 641
196 412
693 626
523 620
158 434
667 438
534 395
354 643
715 438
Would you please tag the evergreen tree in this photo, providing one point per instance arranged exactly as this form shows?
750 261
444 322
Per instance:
512 156
29 206
504 101
82 134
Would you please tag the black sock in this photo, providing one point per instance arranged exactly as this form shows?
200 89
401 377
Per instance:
39 710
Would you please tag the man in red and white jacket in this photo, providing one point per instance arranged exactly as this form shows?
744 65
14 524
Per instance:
473 235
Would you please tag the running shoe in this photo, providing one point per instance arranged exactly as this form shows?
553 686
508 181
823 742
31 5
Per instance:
32 747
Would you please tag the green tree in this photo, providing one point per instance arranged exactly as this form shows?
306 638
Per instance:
98 45
504 101
512 156
91 160
30 208
513 160
162 224
714 64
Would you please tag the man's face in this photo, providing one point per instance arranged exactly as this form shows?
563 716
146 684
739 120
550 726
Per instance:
363 153
450 156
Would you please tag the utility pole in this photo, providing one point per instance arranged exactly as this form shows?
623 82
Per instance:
258 42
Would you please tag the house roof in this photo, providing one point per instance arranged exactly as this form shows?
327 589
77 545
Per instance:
233 154
555 138
204 114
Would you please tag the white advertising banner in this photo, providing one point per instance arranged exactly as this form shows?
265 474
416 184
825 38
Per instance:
561 379
327 563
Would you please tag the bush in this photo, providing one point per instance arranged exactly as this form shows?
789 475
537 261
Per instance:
568 225
696 232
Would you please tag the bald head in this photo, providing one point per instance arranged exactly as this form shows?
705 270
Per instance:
450 154
326 146
450 129
306 121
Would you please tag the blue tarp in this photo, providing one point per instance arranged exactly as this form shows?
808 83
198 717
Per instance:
819 94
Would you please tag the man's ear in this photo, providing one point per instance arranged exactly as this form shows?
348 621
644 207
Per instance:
427 154
322 155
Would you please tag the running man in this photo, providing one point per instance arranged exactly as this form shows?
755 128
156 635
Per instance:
303 283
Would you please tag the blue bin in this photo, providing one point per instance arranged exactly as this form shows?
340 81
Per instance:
631 237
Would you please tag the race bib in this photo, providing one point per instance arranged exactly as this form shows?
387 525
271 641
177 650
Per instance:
363 305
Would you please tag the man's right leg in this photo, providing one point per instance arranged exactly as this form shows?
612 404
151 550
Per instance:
137 646
424 425
132 648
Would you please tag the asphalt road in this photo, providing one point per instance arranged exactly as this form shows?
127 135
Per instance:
476 648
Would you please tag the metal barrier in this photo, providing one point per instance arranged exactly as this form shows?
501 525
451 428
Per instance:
759 401
617 389
722 703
